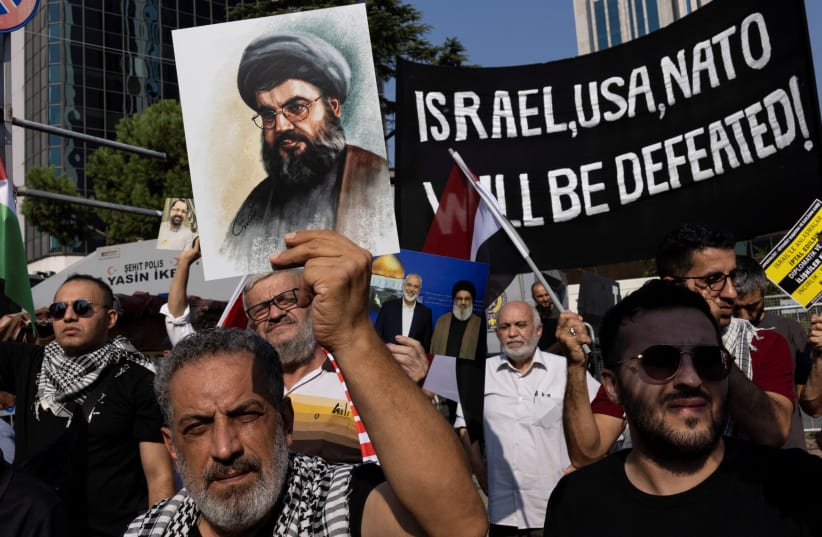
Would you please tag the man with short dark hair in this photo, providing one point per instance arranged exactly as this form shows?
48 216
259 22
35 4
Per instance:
297 85
87 421
228 426
666 364
174 234
406 316
703 260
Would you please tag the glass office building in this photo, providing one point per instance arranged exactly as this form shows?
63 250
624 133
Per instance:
89 63
604 23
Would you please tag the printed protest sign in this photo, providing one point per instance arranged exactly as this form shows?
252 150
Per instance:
284 132
795 264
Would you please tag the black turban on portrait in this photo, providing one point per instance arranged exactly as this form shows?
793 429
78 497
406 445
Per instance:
271 60
464 285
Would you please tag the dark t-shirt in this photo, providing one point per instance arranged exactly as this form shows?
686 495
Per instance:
756 490
549 333
28 507
797 339
95 467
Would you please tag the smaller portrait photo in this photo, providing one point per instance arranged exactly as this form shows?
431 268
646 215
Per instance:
179 226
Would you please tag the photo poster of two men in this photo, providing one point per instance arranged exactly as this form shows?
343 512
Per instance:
178 227
284 132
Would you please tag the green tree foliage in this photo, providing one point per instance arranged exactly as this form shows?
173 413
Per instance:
67 222
140 181
451 54
396 29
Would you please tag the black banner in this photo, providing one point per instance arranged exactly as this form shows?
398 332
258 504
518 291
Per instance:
712 119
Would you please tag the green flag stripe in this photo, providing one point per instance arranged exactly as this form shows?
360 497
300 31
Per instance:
13 267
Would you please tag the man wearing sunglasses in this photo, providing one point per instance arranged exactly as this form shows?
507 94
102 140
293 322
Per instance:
297 84
665 362
703 260
87 420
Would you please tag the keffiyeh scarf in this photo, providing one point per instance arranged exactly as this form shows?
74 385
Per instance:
314 503
738 339
64 380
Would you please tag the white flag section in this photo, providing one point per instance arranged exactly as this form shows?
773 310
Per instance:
485 225
489 218
13 267
442 377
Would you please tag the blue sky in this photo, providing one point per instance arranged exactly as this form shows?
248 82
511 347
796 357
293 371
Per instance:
519 32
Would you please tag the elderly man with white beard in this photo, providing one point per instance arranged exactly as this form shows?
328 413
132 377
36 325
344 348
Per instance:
406 317
458 333
525 450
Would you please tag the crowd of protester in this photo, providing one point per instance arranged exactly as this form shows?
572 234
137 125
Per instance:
313 420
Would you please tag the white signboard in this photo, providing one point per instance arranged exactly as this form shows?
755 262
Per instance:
135 267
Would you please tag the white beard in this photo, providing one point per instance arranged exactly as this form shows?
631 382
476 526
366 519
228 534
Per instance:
462 315
520 354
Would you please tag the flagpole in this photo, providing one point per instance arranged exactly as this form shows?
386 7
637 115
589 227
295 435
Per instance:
512 233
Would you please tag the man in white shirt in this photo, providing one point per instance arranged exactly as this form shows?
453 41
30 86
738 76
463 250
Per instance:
525 451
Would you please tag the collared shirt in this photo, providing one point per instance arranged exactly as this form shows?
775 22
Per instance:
407 317
524 438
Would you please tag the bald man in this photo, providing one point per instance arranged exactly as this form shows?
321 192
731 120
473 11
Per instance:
522 423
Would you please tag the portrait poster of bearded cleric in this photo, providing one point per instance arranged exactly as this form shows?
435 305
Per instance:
284 132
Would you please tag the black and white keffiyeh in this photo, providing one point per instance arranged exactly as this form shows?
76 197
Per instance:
738 339
314 503
64 380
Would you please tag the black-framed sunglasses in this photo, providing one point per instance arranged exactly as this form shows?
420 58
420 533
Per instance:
661 362
267 117
81 307
284 301
716 281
